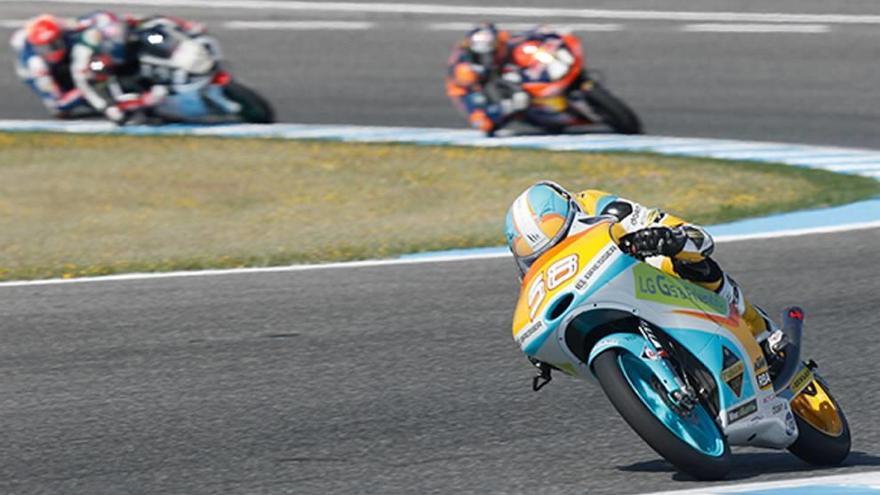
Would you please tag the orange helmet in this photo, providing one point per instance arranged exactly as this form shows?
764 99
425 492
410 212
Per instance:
45 33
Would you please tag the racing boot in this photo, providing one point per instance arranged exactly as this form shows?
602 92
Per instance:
771 339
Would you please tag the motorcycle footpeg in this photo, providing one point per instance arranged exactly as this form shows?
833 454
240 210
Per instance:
542 378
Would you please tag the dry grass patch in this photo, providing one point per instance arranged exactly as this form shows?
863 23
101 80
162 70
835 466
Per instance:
74 205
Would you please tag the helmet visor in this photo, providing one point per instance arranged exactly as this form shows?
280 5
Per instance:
556 228
52 51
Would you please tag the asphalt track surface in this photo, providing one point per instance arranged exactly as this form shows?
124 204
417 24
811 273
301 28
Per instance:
395 379
404 379
796 87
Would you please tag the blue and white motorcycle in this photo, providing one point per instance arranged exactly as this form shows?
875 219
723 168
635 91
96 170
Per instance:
675 360
189 69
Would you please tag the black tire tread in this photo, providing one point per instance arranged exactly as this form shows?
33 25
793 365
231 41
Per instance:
614 112
255 108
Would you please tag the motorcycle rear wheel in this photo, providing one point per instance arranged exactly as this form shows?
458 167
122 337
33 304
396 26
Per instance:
613 111
624 379
823 432
254 108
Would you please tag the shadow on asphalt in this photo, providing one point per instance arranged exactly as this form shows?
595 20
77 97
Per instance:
523 130
749 465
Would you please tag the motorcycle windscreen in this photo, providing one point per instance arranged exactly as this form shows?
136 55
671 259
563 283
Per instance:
158 42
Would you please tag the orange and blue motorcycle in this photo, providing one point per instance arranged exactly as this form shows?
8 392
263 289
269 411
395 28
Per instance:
675 360
550 67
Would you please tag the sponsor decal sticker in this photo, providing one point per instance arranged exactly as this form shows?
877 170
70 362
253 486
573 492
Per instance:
800 380
591 270
634 217
561 271
652 354
764 379
732 373
653 285
529 331
742 411
790 425
536 294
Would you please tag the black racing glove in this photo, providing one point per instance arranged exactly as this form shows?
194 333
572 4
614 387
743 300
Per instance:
656 241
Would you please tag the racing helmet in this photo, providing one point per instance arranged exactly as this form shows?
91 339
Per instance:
483 42
46 34
114 39
537 220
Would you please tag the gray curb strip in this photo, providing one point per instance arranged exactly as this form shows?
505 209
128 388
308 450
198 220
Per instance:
863 162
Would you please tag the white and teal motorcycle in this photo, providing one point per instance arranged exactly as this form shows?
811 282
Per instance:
675 360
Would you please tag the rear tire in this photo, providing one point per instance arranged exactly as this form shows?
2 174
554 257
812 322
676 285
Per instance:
817 447
686 458
254 108
613 111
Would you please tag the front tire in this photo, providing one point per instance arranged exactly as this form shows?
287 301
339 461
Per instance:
254 108
625 380
613 111
823 432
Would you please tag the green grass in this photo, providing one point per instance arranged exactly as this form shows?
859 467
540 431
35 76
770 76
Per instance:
73 205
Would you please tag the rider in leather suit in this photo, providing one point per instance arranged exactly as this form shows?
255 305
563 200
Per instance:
545 214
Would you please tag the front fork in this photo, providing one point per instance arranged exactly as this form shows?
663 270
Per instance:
678 391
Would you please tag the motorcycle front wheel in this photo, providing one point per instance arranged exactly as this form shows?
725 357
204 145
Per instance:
691 441
613 111
254 108
823 432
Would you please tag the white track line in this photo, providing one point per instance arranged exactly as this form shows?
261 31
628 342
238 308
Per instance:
756 28
869 480
499 11
12 23
394 262
299 25
523 26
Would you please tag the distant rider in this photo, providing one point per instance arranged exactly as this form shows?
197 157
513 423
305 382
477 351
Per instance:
475 68
42 61
101 57
545 214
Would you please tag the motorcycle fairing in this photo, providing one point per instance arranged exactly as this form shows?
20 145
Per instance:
599 282
548 67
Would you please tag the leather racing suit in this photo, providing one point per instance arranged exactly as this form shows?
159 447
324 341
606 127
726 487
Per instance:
52 81
689 253
469 84
101 56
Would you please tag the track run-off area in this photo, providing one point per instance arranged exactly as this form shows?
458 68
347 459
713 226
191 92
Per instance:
400 376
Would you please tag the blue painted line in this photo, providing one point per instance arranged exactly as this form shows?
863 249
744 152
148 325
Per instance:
854 213
815 490
457 253
861 212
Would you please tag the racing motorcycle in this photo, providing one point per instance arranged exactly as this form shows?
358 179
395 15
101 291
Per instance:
675 360
199 88
562 91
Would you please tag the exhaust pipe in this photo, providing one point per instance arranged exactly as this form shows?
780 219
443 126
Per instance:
792 327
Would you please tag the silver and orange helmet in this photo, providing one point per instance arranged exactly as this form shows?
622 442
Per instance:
539 219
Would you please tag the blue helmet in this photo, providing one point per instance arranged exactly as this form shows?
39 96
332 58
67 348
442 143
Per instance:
538 220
